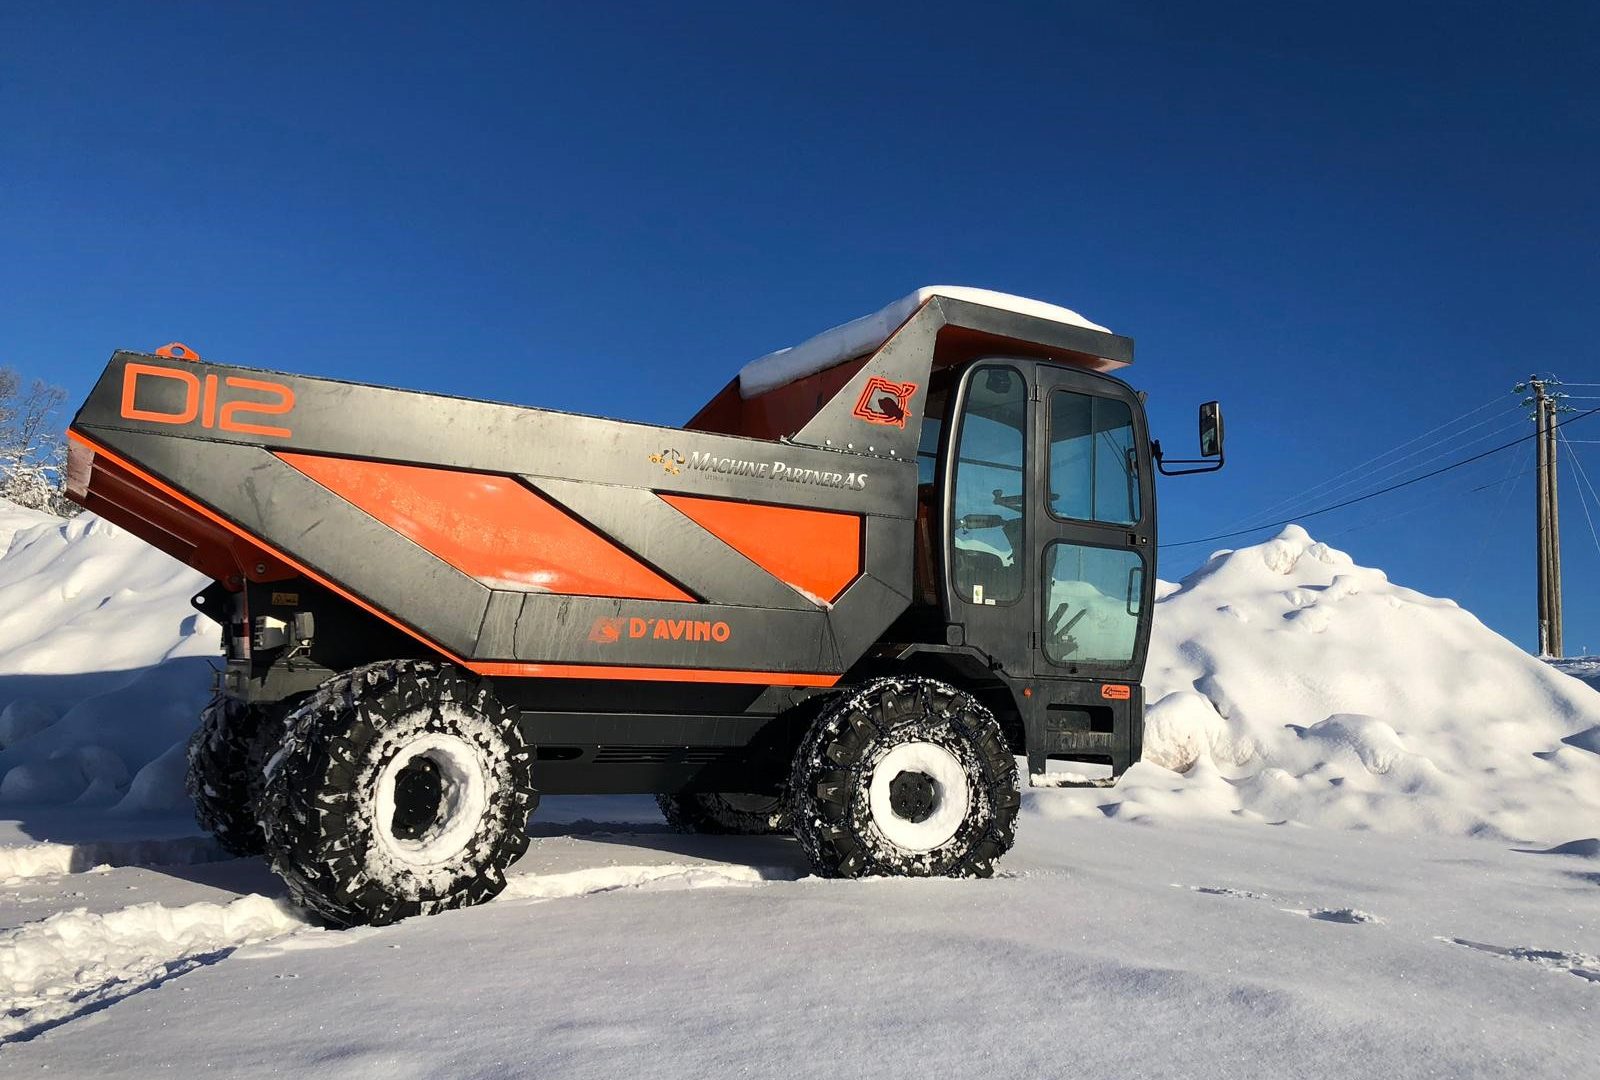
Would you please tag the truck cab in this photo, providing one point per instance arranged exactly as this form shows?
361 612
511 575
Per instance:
1036 550
1035 516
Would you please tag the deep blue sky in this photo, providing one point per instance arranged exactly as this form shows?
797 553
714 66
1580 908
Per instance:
1350 223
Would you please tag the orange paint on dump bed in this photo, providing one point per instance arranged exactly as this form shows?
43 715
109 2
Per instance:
489 527
815 551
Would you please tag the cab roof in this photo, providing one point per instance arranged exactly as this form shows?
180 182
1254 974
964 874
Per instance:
863 335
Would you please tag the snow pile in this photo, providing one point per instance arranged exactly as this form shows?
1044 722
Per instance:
14 519
103 664
50 970
1288 683
865 334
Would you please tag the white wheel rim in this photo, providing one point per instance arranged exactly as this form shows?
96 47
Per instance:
952 796
463 799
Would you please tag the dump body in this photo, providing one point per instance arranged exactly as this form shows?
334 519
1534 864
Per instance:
520 541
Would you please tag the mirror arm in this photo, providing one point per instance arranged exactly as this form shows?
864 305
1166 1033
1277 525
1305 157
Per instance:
1205 465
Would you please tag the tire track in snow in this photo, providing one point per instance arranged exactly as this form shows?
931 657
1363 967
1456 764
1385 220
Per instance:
1582 965
74 962
1348 915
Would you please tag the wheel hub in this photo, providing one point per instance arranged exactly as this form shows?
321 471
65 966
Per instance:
912 796
418 792
918 795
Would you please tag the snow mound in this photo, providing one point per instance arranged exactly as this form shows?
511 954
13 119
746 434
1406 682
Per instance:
62 966
82 595
1289 684
103 664
870 331
14 519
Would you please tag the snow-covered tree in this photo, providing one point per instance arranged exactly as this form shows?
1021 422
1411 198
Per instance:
33 453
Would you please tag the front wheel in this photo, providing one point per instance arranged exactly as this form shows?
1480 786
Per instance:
906 776
402 788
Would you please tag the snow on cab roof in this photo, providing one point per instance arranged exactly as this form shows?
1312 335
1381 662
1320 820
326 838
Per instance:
868 332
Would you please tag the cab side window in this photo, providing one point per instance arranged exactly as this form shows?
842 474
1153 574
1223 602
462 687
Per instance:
990 479
1093 470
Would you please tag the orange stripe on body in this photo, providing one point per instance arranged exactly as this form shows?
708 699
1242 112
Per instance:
816 552
656 674
489 527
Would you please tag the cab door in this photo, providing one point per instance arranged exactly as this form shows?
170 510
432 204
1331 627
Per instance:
1093 537
990 569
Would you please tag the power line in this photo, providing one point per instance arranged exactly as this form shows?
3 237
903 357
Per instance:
1419 506
1446 494
1577 466
1359 473
1398 469
1476 563
1317 490
1513 475
1381 491
1401 466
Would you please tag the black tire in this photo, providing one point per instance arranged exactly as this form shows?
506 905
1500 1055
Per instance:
226 755
726 814
941 755
355 825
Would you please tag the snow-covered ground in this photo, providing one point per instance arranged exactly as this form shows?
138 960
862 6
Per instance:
1586 668
1365 841
1210 949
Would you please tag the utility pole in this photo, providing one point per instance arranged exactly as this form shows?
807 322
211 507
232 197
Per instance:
1547 520
1553 510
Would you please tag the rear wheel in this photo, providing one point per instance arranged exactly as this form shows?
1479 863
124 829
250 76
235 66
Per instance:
726 813
906 776
403 788
226 755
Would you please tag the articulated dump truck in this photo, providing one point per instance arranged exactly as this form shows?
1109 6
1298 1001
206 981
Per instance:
840 602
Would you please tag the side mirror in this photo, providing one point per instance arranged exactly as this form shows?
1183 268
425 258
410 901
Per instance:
1211 429
1211 456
